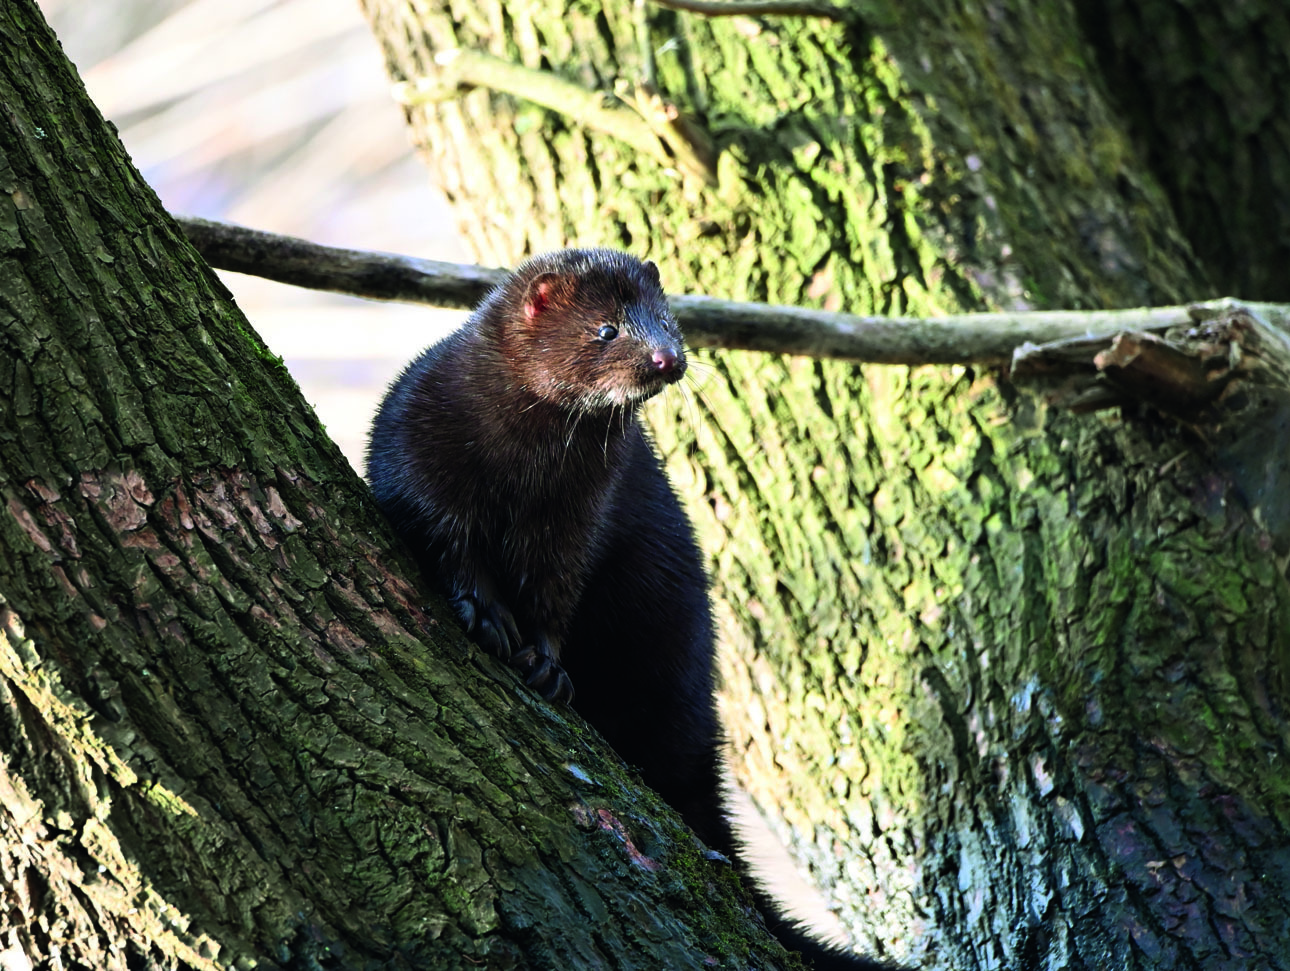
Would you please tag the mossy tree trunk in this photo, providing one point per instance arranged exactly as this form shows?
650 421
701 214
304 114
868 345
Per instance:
1019 685
232 735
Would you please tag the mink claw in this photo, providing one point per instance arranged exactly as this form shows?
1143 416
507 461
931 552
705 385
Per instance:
544 674
489 622
498 631
562 691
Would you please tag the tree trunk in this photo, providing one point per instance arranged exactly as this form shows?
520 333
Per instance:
1014 679
232 736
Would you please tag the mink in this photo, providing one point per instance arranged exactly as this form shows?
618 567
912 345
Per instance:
510 458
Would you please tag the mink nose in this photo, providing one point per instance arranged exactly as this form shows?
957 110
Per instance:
665 359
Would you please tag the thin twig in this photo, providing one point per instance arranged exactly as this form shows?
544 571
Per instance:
690 144
986 338
460 68
757 8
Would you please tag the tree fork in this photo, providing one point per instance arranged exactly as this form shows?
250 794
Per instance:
234 734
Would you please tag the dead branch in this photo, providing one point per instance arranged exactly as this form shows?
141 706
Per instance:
982 339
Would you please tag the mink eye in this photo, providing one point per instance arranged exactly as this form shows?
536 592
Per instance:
608 332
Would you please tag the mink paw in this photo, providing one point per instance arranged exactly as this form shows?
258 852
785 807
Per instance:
542 672
489 621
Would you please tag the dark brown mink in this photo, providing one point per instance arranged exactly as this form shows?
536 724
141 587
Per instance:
510 459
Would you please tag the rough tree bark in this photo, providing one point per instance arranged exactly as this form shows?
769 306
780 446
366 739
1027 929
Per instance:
1015 684
232 736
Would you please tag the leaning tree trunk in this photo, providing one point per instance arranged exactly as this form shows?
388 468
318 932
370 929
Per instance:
231 735
1013 677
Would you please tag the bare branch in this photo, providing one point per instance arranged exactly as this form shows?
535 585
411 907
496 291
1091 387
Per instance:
987 338
361 273
984 338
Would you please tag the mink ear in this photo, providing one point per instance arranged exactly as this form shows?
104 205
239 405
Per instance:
651 271
545 290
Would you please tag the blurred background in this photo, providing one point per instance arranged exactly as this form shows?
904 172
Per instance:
276 114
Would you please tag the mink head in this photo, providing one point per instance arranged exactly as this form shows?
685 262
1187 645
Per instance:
587 329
